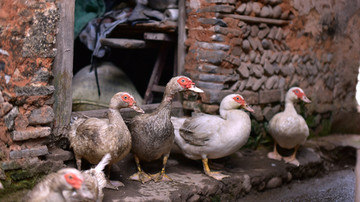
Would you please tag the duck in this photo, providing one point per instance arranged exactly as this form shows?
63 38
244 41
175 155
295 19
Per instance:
288 129
92 138
208 136
94 181
54 186
153 133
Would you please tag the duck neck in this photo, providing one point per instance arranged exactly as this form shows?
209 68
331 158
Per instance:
115 117
289 106
166 103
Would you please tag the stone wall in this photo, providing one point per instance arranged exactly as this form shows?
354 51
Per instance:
262 48
27 40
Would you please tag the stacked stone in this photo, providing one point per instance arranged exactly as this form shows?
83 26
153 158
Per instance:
251 57
26 114
27 128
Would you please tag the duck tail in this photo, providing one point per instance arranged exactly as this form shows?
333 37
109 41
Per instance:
177 123
104 161
75 123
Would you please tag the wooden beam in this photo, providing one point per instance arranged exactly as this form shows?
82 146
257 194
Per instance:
63 66
181 49
254 19
123 43
128 114
158 36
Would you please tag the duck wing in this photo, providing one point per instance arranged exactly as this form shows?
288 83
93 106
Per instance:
200 129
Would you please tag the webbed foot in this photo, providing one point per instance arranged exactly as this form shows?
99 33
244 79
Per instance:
275 156
161 177
217 175
141 177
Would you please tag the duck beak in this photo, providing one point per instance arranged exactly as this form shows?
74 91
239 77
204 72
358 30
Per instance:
137 108
305 99
195 89
246 107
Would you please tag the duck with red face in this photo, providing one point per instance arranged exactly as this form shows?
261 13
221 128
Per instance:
288 129
153 134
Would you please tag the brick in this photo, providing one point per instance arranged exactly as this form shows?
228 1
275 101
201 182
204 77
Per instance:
211 85
250 97
5 107
217 9
10 118
214 57
43 115
42 75
58 154
226 31
218 37
34 90
208 68
27 153
211 96
222 1
271 82
241 8
18 163
233 60
269 96
213 46
210 109
211 77
244 70
212 21
30 133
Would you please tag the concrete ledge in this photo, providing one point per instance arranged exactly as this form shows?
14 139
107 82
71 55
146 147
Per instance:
249 170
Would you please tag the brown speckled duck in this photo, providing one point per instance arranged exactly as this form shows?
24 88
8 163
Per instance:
288 129
153 134
92 138
54 185
210 136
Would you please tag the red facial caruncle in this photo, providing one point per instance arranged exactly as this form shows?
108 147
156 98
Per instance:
239 100
73 180
127 98
298 93
185 82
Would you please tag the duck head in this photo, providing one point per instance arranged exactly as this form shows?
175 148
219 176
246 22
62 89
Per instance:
181 83
234 101
71 178
124 100
296 93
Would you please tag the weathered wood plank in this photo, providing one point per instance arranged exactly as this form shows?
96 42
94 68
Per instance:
63 66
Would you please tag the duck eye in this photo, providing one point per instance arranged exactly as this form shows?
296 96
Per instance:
182 80
125 97
296 91
237 98
70 177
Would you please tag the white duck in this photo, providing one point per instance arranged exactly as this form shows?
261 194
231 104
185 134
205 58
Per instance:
94 181
210 136
288 128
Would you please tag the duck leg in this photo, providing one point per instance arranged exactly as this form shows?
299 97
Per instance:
274 155
78 161
112 184
215 175
292 159
140 175
161 176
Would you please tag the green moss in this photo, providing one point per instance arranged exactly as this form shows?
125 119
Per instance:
215 198
11 185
